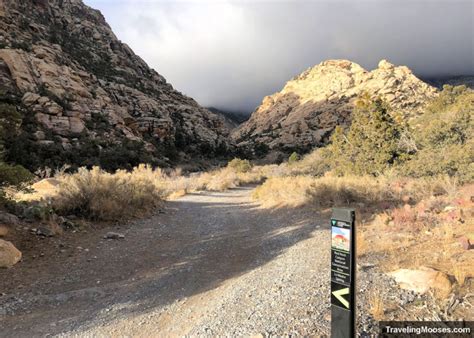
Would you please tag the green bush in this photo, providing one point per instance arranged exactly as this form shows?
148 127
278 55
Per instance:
439 142
13 175
240 166
294 157
10 120
261 149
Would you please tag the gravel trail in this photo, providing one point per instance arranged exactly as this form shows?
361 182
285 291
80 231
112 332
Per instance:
210 264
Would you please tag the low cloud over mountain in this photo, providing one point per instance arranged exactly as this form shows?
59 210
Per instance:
229 54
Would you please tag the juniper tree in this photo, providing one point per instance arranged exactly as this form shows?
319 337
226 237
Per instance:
371 145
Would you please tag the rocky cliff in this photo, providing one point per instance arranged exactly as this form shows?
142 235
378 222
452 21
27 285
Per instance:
305 112
81 90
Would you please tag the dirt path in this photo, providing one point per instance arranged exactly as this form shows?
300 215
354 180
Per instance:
212 263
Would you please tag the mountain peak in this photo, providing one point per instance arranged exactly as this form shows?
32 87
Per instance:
304 113
384 64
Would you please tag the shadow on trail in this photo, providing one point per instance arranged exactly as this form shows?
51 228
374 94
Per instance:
203 241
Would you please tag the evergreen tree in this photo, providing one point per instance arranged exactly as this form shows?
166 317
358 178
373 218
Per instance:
10 121
371 144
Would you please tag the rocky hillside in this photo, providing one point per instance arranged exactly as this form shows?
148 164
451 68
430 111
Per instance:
305 112
466 80
82 93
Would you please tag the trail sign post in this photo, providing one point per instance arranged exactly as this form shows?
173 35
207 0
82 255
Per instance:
343 273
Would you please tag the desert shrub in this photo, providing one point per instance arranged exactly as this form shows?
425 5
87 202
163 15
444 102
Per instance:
443 137
294 157
110 156
331 191
454 160
227 178
13 175
96 194
222 180
261 149
240 166
315 164
25 45
10 175
284 191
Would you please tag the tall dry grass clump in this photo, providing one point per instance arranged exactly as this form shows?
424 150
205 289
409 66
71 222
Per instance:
285 191
348 190
97 194
294 191
228 178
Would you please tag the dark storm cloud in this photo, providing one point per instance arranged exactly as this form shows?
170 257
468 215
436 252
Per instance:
230 54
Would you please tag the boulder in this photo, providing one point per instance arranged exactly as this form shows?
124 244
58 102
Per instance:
9 255
9 219
30 98
45 231
423 279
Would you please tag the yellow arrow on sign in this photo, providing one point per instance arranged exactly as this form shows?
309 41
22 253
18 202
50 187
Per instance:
339 293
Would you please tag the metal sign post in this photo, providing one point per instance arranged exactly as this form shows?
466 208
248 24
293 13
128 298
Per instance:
343 271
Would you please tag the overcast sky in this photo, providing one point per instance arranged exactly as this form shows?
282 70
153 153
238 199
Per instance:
230 54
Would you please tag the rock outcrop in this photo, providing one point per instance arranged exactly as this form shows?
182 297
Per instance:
74 81
308 108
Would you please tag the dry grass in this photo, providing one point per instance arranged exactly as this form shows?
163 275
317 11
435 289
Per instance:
97 194
324 191
100 195
362 244
218 180
285 191
460 274
355 191
376 305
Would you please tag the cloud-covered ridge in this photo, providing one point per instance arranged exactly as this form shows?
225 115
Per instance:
229 54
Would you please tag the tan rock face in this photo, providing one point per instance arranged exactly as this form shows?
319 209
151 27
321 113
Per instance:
305 112
9 255
62 60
